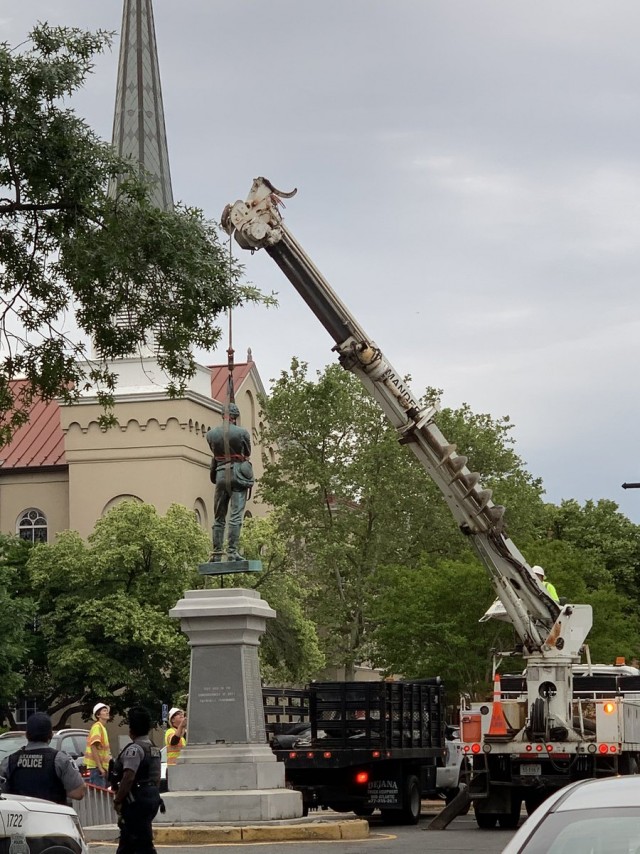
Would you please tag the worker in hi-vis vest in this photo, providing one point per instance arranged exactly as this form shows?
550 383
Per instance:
174 738
98 753
548 586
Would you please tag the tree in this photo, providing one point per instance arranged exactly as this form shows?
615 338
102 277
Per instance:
290 650
67 245
17 611
425 623
356 501
103 610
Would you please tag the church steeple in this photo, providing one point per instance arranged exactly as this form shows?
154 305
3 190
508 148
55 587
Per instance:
138 127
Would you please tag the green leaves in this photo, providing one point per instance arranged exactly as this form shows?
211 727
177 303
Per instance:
68 247
103 608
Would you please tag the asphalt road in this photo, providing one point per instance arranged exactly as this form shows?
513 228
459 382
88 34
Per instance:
462 835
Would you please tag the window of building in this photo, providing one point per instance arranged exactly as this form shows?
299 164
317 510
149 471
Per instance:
24 708
32 526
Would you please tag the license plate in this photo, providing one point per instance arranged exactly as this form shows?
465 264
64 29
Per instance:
534 769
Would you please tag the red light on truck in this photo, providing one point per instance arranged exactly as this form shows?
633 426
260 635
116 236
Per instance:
609 708
362 777
475 748
293 754
613 749
327 754
466 748
603 748
549 748
310 755
539 748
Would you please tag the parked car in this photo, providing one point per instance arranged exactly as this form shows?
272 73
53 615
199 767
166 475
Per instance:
72 741
597 816
30 824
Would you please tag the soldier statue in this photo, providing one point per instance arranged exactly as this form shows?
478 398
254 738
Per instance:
232 474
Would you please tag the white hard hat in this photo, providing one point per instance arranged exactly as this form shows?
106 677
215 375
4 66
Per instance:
173 711
99 706
538 570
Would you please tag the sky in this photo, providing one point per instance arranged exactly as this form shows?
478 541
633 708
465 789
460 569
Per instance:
468 177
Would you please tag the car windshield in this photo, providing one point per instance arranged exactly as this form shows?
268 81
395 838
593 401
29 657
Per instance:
10 743
603 831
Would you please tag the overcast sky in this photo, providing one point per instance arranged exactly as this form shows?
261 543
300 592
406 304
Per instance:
468 177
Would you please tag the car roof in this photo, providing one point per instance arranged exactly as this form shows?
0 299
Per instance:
599 794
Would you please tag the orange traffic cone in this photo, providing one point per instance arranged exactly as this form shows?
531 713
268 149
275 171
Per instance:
498 725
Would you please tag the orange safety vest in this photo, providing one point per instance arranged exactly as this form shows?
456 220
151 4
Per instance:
173 750
99 737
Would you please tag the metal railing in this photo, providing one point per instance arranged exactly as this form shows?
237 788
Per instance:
96 807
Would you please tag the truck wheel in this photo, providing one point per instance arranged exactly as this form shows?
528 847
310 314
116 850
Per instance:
363 812
486 820
411 802
510 820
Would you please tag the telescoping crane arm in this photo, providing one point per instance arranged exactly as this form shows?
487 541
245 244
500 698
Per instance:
542 625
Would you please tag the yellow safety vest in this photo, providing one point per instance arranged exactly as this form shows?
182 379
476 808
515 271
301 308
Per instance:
173 750
99 737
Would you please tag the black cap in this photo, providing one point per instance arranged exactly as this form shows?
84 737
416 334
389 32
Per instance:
39 727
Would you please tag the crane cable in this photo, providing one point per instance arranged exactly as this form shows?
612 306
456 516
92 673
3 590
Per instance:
226 421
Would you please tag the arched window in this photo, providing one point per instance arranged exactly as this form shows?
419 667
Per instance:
32 526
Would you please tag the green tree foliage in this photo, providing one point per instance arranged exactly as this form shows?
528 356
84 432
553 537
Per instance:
103 609
290 650
357 501
600 530
425 622
17 612
67 245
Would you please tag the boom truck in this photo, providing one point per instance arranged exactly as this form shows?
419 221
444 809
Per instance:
545 733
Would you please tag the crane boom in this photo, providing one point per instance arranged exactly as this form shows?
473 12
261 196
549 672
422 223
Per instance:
548 631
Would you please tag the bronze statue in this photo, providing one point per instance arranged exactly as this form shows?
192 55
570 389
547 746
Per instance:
232 473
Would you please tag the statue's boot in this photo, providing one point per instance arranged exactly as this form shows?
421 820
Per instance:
234 539
218 539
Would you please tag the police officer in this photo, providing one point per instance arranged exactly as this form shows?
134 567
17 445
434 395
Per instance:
232 474
137 799
39 770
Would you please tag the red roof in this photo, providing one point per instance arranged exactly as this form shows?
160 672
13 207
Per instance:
40 442
220 378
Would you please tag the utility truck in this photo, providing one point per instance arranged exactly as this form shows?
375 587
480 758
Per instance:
368 745
550 719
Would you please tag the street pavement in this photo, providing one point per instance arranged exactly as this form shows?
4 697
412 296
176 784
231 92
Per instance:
462 835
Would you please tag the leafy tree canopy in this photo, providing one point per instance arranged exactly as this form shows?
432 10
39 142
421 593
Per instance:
67 245
356 501
103 609
17 611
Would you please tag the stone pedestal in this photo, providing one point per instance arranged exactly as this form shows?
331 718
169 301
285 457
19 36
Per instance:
227 771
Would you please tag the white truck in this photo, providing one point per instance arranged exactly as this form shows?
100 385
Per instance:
546 718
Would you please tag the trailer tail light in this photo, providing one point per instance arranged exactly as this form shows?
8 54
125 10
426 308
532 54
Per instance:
613 749
529 748
475 748
539 748
362 777
327 754
310 755
293 755
375 754
609 708
549 748
603 748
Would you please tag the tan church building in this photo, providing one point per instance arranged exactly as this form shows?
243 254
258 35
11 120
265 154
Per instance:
63 471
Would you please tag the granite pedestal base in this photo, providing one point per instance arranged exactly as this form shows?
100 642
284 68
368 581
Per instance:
227 772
